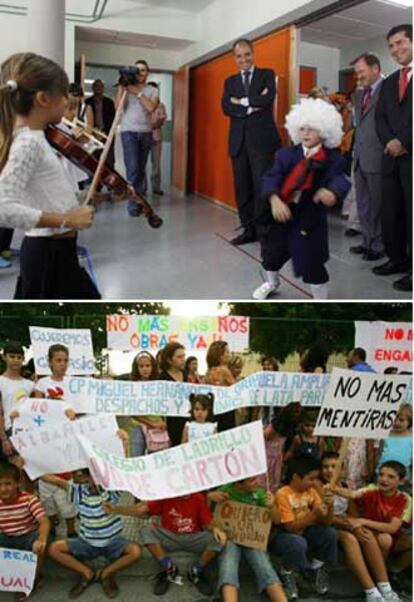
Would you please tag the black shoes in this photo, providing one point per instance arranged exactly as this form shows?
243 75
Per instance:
358 250
405 284
158 192
243 239
352 232
389 268
163 580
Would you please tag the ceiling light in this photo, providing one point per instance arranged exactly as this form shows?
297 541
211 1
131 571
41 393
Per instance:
406 3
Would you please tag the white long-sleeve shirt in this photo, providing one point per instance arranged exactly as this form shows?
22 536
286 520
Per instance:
33 181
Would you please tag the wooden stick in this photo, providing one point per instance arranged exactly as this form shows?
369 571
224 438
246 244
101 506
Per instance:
105 152
342 451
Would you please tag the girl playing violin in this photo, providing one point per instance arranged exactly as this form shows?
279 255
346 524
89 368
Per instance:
35 194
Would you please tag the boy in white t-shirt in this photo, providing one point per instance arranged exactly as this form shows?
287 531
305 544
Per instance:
54 499
13 387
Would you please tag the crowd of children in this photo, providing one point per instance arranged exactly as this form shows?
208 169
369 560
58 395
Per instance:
365 520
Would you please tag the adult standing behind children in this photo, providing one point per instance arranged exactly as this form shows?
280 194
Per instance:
136 130
172 364
394 121
218 373
248 100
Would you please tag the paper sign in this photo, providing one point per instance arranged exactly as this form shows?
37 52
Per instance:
244 524
361 404
17 570
35 413
57 448
126 332
78 341
386 344
222 458
169 398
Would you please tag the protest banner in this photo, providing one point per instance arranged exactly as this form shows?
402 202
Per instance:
35 413
151 333
244 524
195 466
169 398
17 570
57 448
78 341
361 404
386 344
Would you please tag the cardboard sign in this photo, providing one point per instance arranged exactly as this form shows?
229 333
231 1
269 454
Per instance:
169 398
244 524
151 333
361 404
35 413
17 570
57 448
195 466
78 341
386 344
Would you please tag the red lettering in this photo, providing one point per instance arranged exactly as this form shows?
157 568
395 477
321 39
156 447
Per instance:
115 323
232 464
153 340
201 343
135 341
201 467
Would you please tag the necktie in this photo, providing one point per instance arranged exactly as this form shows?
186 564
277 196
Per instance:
403 82
366 100
246 81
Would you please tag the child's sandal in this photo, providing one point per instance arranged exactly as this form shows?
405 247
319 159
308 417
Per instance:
80 586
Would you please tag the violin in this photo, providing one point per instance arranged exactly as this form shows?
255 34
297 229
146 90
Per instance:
74 152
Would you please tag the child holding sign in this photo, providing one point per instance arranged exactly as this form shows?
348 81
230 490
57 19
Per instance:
23 522
13 387
247 492
186 524
100 535
201 424
53 498
305 530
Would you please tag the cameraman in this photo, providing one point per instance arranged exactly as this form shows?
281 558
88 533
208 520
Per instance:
136 131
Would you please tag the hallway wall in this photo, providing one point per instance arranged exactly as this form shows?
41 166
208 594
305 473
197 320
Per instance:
209 164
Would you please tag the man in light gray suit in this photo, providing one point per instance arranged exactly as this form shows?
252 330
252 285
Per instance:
368 152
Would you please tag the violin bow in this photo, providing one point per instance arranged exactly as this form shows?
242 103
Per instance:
105 152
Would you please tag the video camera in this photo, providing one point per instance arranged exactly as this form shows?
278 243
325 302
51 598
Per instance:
128 76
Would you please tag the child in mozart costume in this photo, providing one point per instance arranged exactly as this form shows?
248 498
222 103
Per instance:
304 181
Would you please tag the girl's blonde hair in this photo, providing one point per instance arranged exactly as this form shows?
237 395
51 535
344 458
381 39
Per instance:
23 75
407 410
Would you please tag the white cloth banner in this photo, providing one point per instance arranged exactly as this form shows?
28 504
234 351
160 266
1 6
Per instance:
386 344
134 332
223 458
169 398
35 413
78 341
361 404
57 448
17 570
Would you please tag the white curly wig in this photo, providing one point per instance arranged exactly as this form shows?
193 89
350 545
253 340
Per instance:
318 115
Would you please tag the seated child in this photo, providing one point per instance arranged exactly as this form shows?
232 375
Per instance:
247 492
306 443
305 529
398 446
383 510
186 524
99 535
305 180
23 522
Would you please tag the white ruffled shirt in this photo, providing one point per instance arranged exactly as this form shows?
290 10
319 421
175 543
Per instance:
33 181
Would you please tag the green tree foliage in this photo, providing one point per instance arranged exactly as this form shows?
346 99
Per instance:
279 329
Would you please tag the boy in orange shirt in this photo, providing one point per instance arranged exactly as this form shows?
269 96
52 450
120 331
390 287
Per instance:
305 530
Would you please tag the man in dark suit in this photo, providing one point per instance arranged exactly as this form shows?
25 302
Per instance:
394 128
368 152
248 99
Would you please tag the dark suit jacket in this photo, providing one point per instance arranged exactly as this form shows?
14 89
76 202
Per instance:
393 119
258 130
108 111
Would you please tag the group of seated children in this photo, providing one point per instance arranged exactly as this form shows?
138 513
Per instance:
310 514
